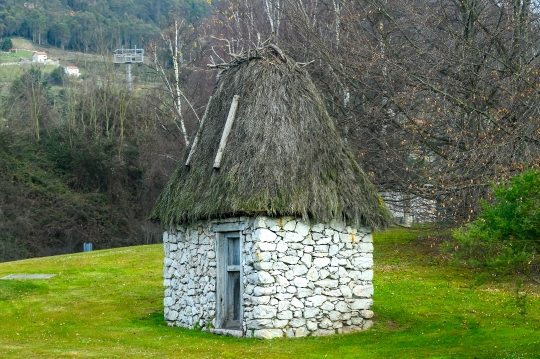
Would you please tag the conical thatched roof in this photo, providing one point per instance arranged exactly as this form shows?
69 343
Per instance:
283 156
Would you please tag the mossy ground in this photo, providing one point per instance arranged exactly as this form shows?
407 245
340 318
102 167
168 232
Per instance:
108 304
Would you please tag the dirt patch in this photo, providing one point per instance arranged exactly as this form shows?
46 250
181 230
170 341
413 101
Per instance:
28 276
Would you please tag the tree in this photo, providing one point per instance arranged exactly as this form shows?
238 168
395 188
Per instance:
168 62
59 34
7 44
436 97
28 98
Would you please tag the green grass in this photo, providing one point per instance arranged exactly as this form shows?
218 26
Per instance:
108 304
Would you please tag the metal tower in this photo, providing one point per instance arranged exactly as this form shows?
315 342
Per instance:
128 56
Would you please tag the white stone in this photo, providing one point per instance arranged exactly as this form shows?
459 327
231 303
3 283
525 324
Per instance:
280 266
342 307
323 273
312 274
281 246
267 246
363 262
363 291
366 247
327 306
260 291
299 270
307 259
311 325
311 312
368 314
289 275
265 235
348 238
263 265
308 249
366 275
293 237
285 315
332 293
345 291
290 333
301 330
336 316
282 281
358 304
319 227
289 260
279 323
327 283
308 240
300 282
304 292
333 250
321 262
325 323
302 229
317 300
295 302
268 333
290 226
264 312
265 299
283 305
368 237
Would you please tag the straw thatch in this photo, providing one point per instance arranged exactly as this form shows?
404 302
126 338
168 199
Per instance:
284 156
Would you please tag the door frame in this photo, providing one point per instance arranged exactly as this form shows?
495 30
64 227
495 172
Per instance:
223 232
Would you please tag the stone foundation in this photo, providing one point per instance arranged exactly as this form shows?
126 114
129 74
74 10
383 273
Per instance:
298 279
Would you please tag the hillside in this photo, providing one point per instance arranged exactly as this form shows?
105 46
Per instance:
108 304
92 25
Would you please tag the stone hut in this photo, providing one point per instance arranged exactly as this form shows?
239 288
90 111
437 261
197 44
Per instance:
268 219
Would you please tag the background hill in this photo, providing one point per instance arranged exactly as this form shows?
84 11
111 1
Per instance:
92 25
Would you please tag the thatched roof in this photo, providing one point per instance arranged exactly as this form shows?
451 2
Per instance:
283 157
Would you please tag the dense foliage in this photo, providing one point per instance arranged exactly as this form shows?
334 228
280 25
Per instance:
92 25
7 44
507 232
77 164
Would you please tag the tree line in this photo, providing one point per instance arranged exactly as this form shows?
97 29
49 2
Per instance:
92 25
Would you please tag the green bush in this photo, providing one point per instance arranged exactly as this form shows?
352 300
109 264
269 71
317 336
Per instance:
7 44
507 233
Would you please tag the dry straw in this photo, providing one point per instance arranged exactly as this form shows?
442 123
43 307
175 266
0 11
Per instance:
283 156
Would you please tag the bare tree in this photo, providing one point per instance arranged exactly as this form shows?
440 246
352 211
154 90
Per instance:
168 61
438 97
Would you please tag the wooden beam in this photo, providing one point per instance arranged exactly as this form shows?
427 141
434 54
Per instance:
226 131
196 140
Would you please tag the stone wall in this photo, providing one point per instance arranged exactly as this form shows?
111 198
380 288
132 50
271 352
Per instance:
299 279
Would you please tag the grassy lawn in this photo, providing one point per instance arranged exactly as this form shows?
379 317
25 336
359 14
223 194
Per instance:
108 304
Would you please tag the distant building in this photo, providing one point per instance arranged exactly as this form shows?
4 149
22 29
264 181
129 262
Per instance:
39 56
72 71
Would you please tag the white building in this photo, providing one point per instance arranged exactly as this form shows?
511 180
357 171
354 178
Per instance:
72 71
39 56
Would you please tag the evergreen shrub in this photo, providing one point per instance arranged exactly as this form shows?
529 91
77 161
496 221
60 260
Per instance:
507 233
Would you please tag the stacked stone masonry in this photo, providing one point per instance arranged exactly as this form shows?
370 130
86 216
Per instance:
299 279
